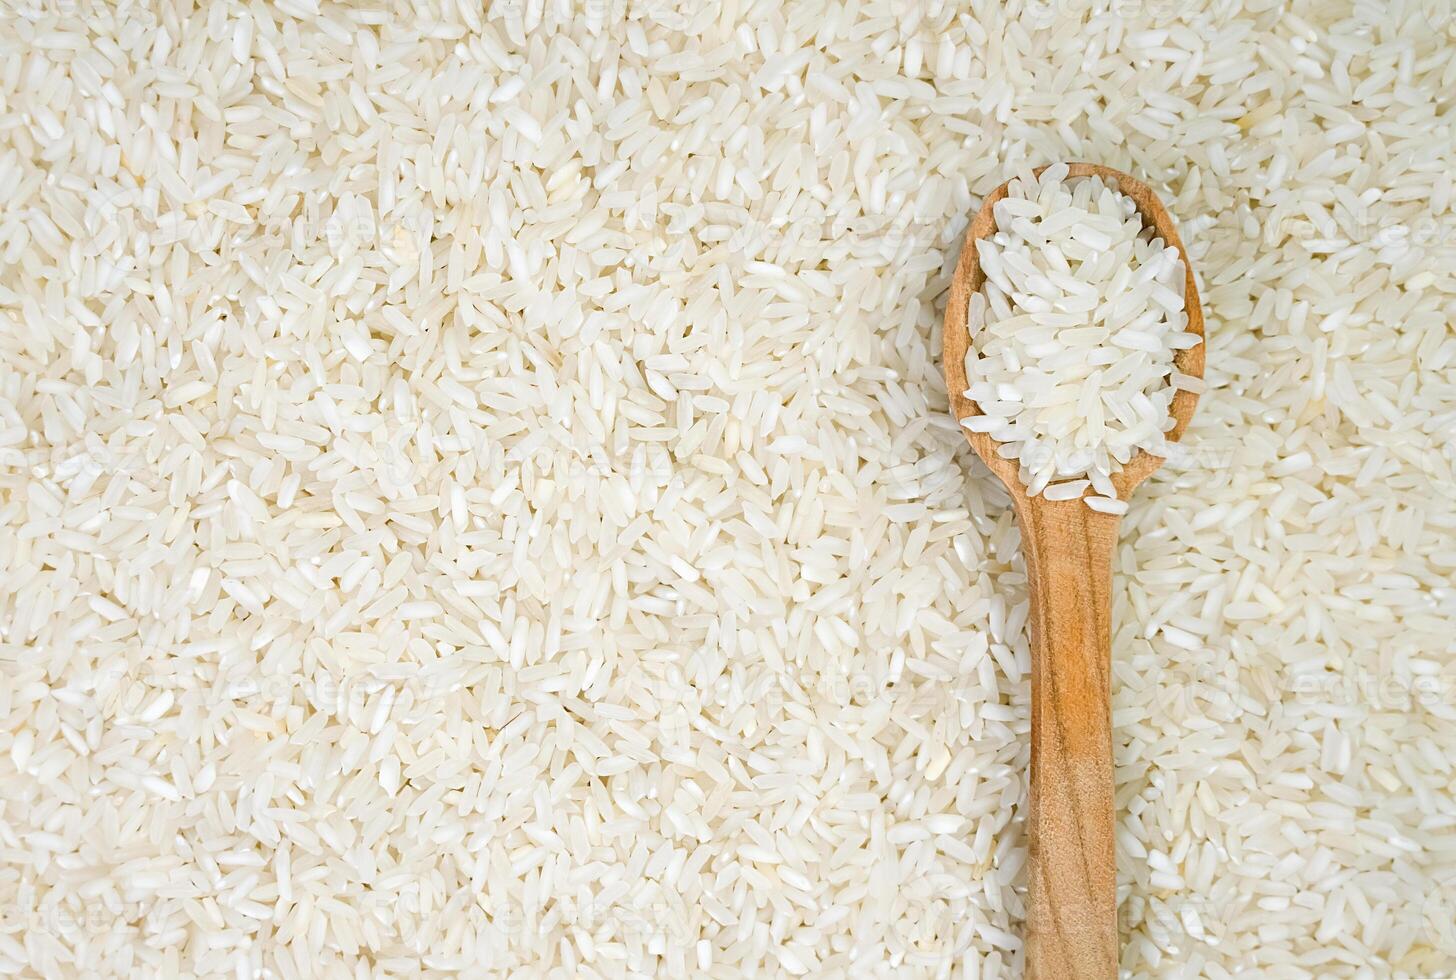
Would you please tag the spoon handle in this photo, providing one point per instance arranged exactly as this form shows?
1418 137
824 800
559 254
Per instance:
1071 929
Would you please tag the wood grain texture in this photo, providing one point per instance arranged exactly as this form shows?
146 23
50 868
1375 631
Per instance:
1071 928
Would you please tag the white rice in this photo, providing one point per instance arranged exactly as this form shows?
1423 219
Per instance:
1073 335
476 493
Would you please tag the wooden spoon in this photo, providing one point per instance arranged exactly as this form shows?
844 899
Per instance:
1071 928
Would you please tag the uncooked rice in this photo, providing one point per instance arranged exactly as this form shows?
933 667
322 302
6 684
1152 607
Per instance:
477 494
1073 335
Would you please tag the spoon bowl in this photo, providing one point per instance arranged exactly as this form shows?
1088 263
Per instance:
1071 924
967 281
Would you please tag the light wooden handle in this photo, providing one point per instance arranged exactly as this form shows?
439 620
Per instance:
1071 929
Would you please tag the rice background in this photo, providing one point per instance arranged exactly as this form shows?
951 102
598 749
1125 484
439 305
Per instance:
477 496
